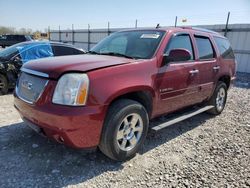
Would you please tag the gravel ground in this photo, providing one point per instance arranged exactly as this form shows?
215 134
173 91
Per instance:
204 151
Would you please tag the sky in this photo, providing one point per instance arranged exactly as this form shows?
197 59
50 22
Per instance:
40 14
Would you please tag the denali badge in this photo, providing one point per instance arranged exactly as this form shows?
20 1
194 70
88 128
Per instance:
26 84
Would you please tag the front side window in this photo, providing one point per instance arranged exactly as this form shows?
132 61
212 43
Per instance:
225 48
182 41
205 48
134 44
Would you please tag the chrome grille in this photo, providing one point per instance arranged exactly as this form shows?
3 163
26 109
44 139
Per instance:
30 87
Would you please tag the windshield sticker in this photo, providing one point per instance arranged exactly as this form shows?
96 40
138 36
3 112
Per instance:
149 36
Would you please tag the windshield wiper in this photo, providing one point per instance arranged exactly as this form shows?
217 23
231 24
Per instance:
116 54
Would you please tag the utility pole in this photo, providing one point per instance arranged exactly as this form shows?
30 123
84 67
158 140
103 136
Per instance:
49 32
73 34
108 28
59 34
175 23
226 28
88 37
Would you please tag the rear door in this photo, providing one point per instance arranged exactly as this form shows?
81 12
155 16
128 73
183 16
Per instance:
206 64
177 82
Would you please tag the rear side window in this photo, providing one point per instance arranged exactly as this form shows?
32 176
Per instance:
225 48
62 51
180 41
205 48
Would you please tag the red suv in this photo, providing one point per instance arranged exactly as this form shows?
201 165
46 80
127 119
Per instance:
107 97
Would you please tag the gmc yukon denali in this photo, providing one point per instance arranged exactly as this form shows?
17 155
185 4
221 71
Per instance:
107 97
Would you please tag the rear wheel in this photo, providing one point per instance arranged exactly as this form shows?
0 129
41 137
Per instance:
3 85
124 130
218 100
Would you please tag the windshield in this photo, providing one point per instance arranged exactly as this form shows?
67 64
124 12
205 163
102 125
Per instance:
135 44
11 51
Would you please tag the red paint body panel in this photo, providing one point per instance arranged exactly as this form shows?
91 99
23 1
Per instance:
56 66
171 87
79 126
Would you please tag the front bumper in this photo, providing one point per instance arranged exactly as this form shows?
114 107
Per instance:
78 127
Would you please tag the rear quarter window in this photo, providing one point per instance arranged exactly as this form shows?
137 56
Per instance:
205 48
224 47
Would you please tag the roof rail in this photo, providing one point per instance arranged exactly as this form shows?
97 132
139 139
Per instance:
204 30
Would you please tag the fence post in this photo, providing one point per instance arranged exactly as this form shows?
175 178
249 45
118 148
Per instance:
108 28
73 35
88 37
226 28
175 23
136 23
59 34
49 32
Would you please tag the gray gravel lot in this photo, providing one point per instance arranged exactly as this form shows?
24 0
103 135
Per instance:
204 151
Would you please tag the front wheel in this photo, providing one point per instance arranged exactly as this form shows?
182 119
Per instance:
219 98
124 130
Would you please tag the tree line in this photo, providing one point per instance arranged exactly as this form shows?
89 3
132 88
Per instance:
13 30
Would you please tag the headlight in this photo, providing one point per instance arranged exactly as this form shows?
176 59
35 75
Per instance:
71 89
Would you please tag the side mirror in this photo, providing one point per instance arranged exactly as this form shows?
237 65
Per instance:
176 55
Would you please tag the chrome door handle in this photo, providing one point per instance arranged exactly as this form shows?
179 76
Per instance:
195 71
216 67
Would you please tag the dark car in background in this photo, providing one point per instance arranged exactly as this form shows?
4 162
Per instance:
12 58
9 40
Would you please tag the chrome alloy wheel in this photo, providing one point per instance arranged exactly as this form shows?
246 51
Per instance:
129 132
220 99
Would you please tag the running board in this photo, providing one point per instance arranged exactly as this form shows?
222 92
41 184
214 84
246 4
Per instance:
180 118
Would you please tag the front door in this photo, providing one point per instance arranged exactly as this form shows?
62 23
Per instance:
177 82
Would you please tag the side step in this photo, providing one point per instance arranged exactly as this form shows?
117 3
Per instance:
180 118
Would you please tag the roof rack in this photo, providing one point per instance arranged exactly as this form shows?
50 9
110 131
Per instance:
203 29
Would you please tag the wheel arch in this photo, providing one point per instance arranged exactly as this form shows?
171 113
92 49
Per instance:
226 79
143 95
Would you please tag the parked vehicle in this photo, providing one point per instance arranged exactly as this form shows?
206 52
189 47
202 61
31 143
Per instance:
107 97
12 58
9 40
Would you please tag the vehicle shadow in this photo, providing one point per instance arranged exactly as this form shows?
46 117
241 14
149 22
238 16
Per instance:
35 160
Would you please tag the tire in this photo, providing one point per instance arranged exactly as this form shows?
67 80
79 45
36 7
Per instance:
218 99
3 85
121 137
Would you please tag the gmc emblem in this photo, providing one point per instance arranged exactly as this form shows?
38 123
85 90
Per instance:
27 85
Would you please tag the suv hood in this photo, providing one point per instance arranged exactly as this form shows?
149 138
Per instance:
56 66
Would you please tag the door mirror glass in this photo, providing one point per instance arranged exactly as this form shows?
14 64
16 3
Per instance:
176 55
